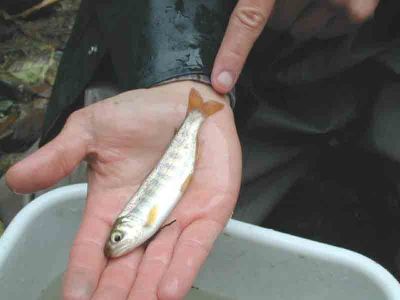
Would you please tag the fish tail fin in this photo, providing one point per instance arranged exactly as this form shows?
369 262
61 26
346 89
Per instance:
211 107
196 102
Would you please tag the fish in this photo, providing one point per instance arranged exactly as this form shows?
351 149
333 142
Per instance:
147 210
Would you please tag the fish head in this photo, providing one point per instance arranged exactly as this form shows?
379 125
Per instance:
125 236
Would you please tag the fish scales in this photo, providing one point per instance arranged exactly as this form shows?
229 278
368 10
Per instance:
159 193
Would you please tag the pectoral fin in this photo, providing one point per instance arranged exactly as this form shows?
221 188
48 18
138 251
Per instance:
152 217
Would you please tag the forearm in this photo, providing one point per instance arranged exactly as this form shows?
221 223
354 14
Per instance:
202 79
170 42
148 43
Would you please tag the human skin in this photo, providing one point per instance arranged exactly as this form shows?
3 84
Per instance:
304 19
122 138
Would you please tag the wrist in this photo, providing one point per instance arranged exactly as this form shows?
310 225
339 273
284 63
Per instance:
205 90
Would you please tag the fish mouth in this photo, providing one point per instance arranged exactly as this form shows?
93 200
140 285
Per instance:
108 251
111 252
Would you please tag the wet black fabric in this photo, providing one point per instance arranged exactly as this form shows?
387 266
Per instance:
145 42
318 121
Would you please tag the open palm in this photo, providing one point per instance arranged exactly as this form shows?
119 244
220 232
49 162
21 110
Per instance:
122 138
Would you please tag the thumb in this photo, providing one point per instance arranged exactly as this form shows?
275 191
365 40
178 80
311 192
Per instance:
245 25
53 161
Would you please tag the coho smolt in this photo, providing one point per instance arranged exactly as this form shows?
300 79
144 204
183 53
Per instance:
146 212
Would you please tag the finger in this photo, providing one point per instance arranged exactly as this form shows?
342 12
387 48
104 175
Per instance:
86 261
155 261
190 253
312 22
118 277
245 25
52 162
358 10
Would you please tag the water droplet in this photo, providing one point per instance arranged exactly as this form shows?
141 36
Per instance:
93 49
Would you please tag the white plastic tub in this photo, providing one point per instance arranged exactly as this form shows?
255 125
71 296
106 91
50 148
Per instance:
248 262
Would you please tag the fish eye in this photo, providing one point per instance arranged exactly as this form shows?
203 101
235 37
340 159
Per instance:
116 237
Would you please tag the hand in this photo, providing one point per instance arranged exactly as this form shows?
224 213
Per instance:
122 138
303 18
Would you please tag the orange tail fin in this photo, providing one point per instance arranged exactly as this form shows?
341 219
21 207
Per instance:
196 102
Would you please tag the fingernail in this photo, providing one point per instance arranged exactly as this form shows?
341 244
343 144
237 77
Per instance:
170 289
19 194
13 190
225 79
76 286
16 192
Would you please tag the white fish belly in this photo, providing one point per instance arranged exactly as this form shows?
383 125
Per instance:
164 187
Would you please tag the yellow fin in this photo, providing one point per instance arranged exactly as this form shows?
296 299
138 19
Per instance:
186 183
152 217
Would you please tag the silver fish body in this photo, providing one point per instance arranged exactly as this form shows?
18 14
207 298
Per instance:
160 192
